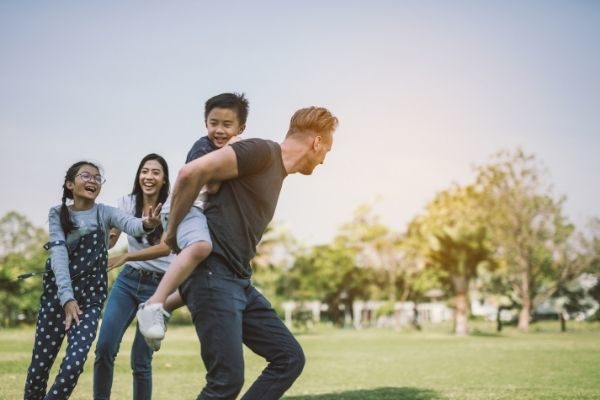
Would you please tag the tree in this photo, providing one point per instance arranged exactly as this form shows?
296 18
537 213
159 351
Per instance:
20 252
328 273
454 241
274 257
395 270
377 249
528 229
591 271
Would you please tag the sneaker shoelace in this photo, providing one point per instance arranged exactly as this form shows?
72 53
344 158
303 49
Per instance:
157 317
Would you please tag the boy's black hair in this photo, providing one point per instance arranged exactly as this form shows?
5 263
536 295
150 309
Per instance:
233 101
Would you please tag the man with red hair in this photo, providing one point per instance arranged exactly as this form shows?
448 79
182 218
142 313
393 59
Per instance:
226 308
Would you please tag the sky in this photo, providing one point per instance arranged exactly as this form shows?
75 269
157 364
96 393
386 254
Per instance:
424 91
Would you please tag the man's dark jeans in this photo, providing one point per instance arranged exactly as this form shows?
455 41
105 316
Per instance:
228 311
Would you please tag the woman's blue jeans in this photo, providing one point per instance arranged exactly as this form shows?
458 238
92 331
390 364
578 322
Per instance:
131 288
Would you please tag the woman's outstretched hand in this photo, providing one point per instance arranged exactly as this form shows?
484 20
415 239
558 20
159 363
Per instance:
152 220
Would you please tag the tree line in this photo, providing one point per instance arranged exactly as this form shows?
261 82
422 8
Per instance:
504 235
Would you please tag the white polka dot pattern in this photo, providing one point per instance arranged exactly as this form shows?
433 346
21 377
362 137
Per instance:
89 281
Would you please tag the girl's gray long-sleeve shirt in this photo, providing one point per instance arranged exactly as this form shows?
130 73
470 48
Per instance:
86 222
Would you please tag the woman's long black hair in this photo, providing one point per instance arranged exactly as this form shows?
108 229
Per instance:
65 218
154 236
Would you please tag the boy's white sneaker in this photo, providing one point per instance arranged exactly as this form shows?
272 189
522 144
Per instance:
151 320
154 344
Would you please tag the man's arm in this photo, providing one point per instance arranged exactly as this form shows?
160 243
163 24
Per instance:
217 166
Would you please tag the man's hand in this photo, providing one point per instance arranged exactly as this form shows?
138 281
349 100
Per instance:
171 241
72 313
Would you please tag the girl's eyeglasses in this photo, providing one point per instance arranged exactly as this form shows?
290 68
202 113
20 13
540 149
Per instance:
87 177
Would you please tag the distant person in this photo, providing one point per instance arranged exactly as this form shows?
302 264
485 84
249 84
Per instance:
75 279
225 118
226 308
145 263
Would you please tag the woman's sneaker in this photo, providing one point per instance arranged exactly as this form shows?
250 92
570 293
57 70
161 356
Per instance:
151 320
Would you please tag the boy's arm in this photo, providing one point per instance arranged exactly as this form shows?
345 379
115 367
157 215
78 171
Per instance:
218 165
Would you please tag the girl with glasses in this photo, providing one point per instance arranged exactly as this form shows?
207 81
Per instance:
75 279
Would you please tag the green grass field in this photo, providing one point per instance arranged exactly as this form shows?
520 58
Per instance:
372 364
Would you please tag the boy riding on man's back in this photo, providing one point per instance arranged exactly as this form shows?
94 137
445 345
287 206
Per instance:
225 118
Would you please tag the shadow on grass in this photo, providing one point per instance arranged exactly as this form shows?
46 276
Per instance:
386 393
479 333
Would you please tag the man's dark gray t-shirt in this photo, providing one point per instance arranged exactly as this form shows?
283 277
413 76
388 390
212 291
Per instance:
240 211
